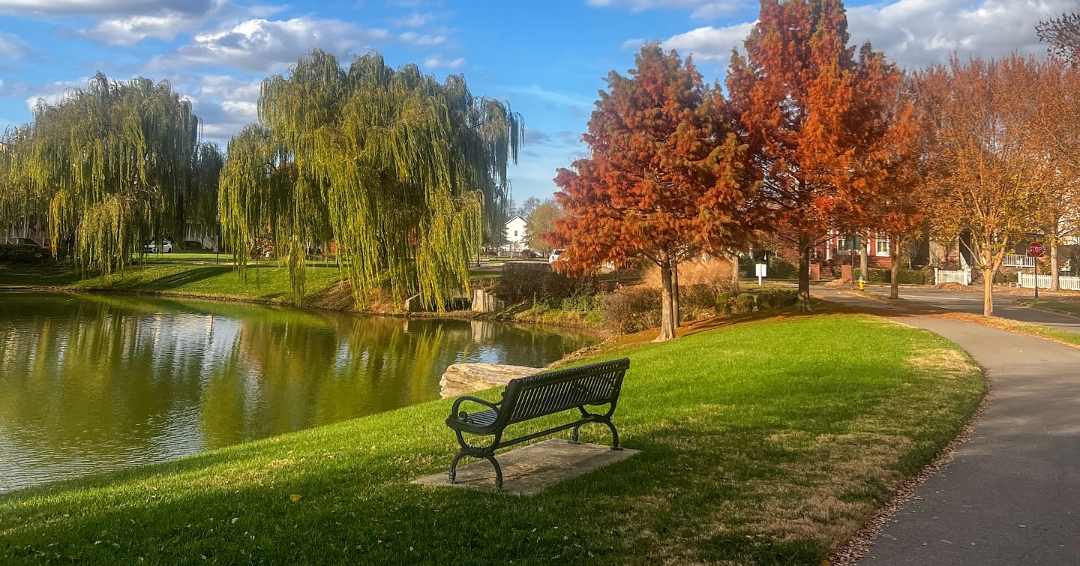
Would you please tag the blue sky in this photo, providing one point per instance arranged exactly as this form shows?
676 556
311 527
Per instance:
547 58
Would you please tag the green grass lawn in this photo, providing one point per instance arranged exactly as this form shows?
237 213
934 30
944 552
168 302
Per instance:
266 281
762 443
1039 330
1070 307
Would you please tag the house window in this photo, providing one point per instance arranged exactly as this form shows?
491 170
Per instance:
882 245
842 243
515 233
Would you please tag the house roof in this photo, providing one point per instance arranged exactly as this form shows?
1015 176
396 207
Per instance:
513 219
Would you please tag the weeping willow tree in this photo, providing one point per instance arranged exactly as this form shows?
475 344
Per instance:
404 173
108 167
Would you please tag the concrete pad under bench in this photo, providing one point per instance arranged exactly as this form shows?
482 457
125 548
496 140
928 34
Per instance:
533 468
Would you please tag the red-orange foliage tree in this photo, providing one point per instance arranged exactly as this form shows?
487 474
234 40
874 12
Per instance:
896 204
665 176
815 118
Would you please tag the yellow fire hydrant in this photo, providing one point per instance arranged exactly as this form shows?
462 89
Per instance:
862 284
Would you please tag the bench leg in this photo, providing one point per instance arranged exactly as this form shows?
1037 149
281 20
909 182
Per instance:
498 471
574 436
614 436
452 474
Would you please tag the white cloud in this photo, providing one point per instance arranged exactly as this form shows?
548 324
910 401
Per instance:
131 30
551 96
225 104
50 93
912 32
42 8
435 62
709 43
918 32
261 46
424 40
703 9
13 48
227 87
414 20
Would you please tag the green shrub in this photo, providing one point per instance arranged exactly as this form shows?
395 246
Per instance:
903 276
696 301
770 298
581 303
631 309
533 281
780 268
1004 277
744 303
25 255
723 303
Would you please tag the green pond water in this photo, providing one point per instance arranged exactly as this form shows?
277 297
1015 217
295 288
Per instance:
90 383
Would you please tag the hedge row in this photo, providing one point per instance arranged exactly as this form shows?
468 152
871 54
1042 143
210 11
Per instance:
903 276
755 300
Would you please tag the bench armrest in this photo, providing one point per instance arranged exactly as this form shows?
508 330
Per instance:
457 404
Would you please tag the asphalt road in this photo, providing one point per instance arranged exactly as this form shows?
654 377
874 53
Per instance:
1011 495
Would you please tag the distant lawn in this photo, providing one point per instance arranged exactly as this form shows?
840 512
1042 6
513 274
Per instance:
1070 307
1058 335
266 281
763 443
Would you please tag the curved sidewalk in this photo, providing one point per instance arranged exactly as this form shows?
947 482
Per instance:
1011 495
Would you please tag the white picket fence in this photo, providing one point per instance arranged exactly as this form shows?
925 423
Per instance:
962 277
1017 260
1027 281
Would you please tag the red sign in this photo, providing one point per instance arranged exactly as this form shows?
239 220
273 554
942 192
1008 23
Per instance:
1035 249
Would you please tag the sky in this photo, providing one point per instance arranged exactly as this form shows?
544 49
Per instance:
548 59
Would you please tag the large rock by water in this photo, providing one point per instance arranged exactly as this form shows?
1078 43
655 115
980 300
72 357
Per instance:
462 379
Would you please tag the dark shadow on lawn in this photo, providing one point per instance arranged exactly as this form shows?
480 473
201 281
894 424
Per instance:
187 277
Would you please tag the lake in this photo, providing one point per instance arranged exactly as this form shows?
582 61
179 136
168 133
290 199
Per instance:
91 383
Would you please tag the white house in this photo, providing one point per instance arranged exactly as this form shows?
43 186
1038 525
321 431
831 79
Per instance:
514 235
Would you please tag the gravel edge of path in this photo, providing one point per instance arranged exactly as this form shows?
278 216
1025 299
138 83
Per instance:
859 544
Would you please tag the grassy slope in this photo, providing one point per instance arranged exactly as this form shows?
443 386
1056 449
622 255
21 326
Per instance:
764 443
1031 329
266 282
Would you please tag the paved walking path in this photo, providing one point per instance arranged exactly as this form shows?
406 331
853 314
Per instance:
1011 496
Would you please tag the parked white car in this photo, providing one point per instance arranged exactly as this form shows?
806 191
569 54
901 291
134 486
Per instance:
555 255
166 247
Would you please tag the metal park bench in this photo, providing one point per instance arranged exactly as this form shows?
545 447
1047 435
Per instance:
537 396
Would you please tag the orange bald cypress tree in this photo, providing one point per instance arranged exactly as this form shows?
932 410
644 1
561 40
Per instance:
666 176
816 120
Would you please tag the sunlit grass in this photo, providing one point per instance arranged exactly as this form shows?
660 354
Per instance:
265 281
767 443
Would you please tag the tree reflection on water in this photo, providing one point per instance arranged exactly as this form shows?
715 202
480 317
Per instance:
91 383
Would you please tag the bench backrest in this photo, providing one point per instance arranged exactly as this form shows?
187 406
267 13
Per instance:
552 392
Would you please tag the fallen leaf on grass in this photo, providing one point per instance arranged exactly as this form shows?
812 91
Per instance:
294 497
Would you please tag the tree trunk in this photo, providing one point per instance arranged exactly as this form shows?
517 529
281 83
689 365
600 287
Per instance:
734 259
667 321
988 291
894 254
864 260
676 304
802 304
1055 285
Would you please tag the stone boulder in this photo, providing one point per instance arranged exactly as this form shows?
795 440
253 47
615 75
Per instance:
462 379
